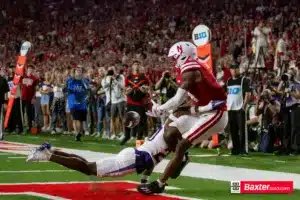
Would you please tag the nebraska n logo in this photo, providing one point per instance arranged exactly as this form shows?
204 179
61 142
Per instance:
179 49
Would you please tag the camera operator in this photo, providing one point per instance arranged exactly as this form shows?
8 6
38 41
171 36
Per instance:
288 89
167 87
268 109
115 84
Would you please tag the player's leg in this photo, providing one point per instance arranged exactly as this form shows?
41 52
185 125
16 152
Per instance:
122 164
113 113
180 149
121 109
67 160
75 163
194 129
199 128
61 153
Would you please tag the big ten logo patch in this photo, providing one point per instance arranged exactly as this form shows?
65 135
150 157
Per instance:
234 90
201 35
235 187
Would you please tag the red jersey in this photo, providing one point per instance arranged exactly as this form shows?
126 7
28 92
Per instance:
208 89
136 81
28 87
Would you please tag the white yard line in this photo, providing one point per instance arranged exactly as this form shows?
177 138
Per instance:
33 171
17 157
280 161
208 155
205 171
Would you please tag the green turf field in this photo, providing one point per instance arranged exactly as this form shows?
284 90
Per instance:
14 169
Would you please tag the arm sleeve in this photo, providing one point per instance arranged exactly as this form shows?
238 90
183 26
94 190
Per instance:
175 101
121 82
105 83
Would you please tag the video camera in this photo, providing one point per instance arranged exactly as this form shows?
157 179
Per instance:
110 73
167 75
286 77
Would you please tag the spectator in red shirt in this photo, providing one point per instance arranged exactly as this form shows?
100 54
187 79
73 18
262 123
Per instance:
29 84
136 85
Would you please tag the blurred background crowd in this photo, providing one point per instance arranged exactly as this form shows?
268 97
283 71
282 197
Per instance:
118 51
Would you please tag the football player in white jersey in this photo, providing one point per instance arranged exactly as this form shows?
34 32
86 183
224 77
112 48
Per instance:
128 161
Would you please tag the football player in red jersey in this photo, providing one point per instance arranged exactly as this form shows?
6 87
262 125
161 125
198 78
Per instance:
208 100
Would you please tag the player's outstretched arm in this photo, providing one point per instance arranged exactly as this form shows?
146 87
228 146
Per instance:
188 79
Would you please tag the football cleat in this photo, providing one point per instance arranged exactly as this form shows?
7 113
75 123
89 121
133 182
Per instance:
78 137
152 188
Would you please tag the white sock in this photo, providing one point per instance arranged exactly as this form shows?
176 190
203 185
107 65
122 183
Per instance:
161 184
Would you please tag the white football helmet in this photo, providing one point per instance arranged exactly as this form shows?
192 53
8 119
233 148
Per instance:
182 51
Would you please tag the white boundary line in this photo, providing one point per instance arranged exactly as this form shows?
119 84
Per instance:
82 182
34 171
79 182
36 194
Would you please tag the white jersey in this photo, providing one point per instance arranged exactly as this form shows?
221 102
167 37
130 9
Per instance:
262 35
131 160
156 146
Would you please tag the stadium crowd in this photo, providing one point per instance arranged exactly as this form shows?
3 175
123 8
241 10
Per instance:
116 53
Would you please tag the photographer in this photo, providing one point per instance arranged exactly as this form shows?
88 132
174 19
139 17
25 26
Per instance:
288 89
167 86
113 85
268 109
116 85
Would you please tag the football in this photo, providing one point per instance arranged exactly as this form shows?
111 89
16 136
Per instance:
131 119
